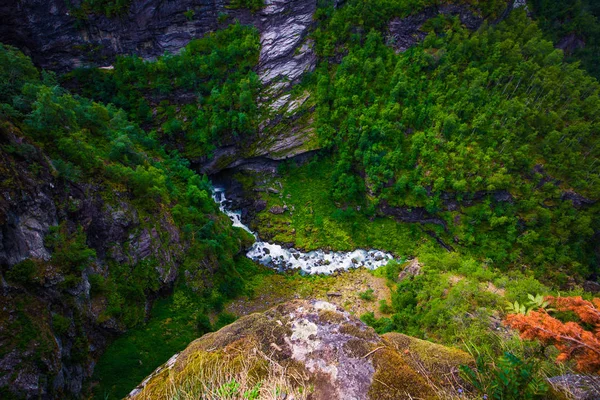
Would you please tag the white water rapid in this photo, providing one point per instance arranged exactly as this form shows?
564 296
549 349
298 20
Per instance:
314 262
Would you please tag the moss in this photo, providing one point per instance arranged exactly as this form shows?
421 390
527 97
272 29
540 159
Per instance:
354 329
331 317
315 221
395 379
440 363
256 326
356 348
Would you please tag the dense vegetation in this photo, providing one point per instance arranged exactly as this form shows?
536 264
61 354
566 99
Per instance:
98 147
574 25
203 97
491 130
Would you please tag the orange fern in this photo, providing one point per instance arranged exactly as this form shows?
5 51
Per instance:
571 339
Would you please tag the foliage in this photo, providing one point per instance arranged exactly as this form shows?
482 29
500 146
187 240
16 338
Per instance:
60 324
109 8
214 74
16 70
24 272
535 302
508 378
99 150
578 340
317 222
224 319
574 21
367 295
489 131
189 14
137 353
252 5
69 250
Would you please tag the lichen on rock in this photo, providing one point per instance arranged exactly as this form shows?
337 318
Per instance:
313 349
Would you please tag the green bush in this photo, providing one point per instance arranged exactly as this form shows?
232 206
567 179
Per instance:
60 324
69 249
24 272
224 319
252 5
203 324
507 378
367 295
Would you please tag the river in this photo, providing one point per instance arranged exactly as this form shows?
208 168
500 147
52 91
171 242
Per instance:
313 262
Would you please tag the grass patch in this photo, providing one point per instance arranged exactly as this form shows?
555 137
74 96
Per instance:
314 220
367 295
133 356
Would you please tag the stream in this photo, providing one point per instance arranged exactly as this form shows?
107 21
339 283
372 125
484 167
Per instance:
313 262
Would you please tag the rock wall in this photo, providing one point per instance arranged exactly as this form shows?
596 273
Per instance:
57 39
39 359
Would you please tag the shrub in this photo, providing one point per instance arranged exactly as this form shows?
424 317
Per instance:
367 295
203 324
23 272
224 319
70 250
60 324
384 307
578 340
506 378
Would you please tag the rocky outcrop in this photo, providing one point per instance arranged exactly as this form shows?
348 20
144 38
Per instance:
312 349
286 53
406 32
412 215
577 387
52 326
411 269
58 38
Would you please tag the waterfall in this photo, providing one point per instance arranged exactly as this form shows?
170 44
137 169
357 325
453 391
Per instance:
314 262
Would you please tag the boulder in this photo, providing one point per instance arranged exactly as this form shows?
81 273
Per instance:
276 210
412 268
576 387
308 349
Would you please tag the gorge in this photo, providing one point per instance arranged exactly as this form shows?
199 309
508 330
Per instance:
394 177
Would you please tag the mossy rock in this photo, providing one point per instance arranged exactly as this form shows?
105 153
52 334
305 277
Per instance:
306 350
394 378
439 363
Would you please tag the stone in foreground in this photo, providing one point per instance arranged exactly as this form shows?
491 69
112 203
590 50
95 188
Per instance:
306 350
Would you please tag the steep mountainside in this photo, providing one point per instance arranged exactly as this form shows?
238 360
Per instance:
94 225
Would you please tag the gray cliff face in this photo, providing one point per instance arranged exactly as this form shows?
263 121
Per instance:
286 53
46 362
55 39
22 233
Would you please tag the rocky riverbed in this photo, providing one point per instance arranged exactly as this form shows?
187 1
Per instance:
314 262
